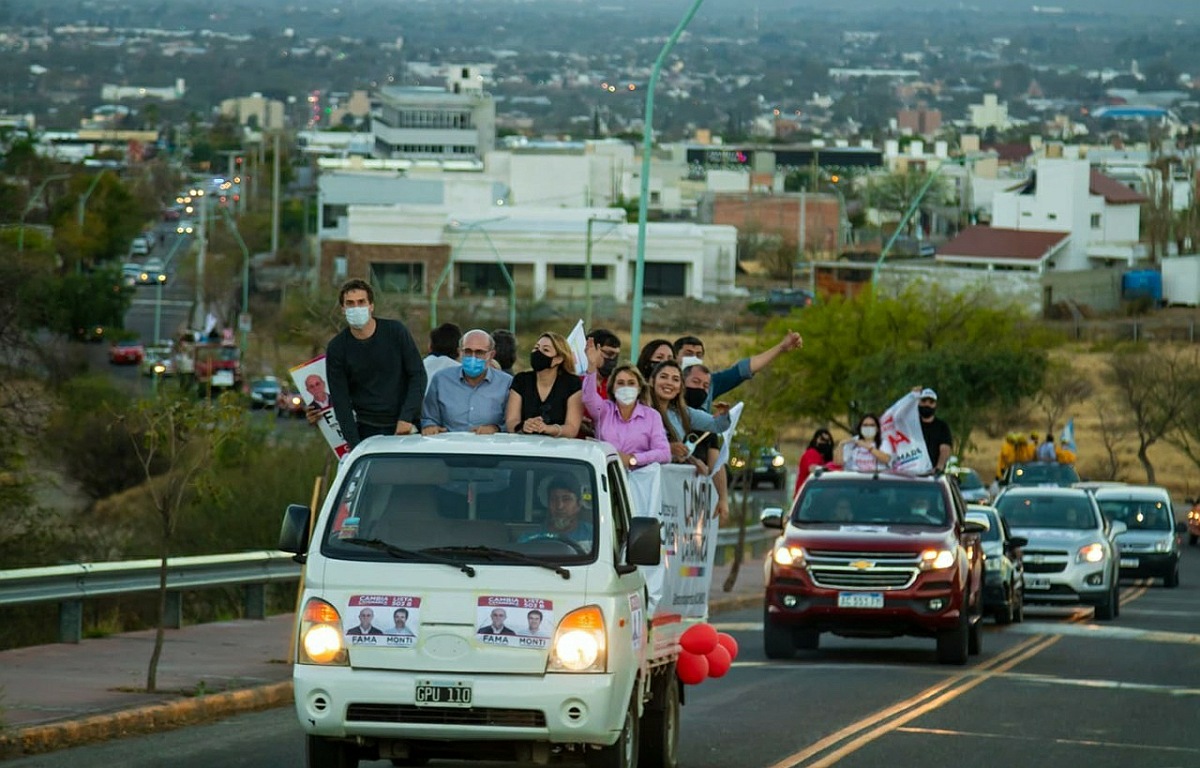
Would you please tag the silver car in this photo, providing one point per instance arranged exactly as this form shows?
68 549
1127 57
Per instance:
1071 554
1151 544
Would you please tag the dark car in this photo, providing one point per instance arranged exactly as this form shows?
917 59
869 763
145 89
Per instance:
1039 473
264 392
781 301
289 403
1003 571
766 466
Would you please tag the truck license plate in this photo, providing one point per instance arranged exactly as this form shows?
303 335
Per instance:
443 693
1036 583
1129 562
860 600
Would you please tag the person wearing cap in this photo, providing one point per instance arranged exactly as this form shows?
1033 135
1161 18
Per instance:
938 440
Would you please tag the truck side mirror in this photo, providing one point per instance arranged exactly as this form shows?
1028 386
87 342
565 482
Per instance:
1016 542
772 517
644 546
293 534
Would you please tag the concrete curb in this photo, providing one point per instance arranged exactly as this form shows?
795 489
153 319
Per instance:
156 717
40 739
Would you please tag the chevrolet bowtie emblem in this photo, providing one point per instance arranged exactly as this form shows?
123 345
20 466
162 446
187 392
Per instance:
862 565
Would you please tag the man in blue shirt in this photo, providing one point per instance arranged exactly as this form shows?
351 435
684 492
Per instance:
743 370
470 396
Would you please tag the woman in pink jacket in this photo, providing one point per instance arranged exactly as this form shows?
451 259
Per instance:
623 420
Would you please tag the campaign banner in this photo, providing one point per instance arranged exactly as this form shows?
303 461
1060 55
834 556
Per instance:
313 386
383 621
685 503
515 622
900 426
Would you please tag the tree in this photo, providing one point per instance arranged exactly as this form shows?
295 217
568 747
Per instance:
862 354
183 436
1154 387
1062 388
897 192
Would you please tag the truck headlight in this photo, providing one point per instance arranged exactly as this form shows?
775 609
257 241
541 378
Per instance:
936 559
580 643
1164 545
787 555
777 461
1092 553
321 637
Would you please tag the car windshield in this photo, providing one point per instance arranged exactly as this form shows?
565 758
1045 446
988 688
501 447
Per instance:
1063 512
472 506
876 502
1044 474
1139 515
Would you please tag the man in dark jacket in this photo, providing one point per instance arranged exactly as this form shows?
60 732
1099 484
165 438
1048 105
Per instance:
376 377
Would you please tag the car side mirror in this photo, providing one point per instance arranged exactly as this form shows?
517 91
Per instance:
644 545
1118 527
293 533
772 517
1016 542
976 526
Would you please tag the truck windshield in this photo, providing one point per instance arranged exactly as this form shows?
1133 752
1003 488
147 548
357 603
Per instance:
872 502
1060 512
469 507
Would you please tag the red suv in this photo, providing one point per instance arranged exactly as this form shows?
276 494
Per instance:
875 555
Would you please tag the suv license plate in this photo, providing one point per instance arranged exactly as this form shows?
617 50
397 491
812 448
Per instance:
1036 583
1129 562
860 600
443 693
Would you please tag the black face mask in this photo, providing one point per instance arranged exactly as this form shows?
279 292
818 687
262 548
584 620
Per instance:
926 410
539 360
606 367
695 397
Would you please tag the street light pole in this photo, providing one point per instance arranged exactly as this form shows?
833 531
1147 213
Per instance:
245 274
639 270
199 315
437 286
916 203
37 193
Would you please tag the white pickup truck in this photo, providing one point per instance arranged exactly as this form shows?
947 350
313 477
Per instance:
503 598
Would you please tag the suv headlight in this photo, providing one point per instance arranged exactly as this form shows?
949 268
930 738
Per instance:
789 555
1092 553
1164 545
936 559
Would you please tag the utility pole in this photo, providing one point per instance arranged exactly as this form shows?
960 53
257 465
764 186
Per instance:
803 237
275 200
199 315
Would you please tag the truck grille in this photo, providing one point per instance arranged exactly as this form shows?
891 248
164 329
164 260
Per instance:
863 570
482 716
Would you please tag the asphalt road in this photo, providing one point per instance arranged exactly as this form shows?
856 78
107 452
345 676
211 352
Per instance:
1056 690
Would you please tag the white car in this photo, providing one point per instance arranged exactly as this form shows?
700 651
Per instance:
1151 545
1071 554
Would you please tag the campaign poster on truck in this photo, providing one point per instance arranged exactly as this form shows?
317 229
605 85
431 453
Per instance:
313 385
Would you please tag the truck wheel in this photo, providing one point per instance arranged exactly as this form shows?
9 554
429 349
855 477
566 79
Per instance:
778 642
1107 610
330 753
660 728
623 753
952 644
975 637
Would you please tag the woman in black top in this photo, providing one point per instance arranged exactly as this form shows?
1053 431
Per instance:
548 399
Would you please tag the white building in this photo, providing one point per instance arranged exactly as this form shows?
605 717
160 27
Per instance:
990 114
1101 215
266 113
419 248
458 121
110 92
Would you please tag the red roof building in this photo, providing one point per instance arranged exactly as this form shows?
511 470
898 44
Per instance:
997 248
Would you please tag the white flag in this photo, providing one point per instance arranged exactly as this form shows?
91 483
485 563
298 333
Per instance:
901 428
735 413
577 341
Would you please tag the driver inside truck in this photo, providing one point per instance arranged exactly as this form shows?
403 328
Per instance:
565 516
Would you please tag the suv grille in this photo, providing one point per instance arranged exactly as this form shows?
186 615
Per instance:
863 570
1044 560
409 713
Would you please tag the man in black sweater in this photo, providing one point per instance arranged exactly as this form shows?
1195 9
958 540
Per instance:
376 377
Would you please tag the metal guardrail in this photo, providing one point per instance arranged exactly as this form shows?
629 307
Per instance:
70 585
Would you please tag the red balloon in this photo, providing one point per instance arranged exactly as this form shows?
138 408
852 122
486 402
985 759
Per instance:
691 669
699 639
729 644
719 661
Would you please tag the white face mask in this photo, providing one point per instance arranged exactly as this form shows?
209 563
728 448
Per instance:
626 395
357 317
868 432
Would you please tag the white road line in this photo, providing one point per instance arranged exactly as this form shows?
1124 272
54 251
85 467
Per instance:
1102 684
1055 740
1104 632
